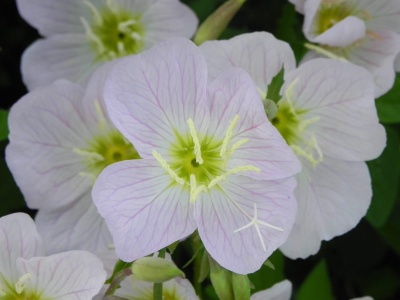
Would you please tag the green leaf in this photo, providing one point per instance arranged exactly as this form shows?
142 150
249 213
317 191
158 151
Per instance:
267 277
241 287
3 125
221 280
385 171
275 86
388 105
317 284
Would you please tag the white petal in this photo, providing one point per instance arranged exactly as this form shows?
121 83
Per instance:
221 211
259 53
166 19
145 210
332 198
67 56
45 126
342 34
340 97
299 4
18 238
74 275
76 227
279 291
150 96
53 17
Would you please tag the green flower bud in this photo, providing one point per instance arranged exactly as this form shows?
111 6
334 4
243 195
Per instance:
216 23
155 269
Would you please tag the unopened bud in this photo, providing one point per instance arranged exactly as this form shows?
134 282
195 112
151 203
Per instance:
216 23
155 269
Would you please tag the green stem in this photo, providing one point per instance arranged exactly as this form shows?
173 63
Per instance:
158 287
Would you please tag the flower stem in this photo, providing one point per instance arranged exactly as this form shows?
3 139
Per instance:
158 287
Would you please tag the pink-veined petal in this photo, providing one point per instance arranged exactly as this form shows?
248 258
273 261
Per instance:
231 206
339 97
53 17
66 56
234 93
74 275
46 126
144 208
75 227
259 53
332 198
150 96
279 291
18 238
168 18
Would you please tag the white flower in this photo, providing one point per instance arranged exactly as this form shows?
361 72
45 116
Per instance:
81 35
327 116
26 274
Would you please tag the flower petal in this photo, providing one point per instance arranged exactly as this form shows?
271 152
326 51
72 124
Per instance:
76 227
53 17
18 238
279 291
166 19
259 53
66 56
234 93
145 210
222 211
45 126
342 34
340 98
150 96
332 198
73 275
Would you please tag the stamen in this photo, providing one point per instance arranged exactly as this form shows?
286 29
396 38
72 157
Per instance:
111 5
123 26
324 52
2 292
136 36
92 36
166 167
308 151
20 285
254 221
92 177
219 178
93 156
197 146
111 246
94 11
236 146
100 115
228 135
121 47
194 189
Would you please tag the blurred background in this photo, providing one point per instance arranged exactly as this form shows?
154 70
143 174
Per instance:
365 261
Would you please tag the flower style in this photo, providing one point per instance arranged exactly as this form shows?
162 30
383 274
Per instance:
81 35
60 140
364 32
327 116
70 275
210 160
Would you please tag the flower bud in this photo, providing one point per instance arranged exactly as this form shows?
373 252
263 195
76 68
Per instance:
216 23
155 269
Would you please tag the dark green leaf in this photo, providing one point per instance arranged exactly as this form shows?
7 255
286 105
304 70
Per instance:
385 172
275 86
267 277
317 284
388 105
3 125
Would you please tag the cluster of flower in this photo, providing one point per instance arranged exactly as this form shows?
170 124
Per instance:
139 151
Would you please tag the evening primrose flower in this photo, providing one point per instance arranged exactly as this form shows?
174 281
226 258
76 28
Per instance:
363 32
327 116
82 35
211 161
26 274
60 140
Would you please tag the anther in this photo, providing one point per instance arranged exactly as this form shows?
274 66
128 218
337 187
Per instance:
166 167
94 11
228 135
238 169
93 156
324 52
20 285
197 146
